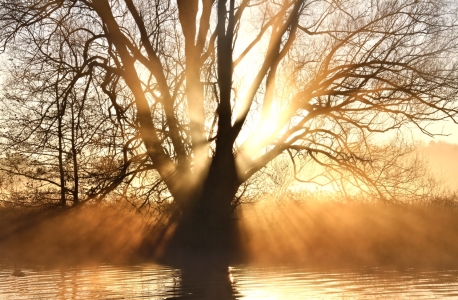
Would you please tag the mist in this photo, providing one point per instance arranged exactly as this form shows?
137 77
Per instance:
85 235
332 234
272 231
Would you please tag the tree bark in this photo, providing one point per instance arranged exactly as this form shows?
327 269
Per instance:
208 225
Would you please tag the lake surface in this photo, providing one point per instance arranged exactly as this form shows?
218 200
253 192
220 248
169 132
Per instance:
152 281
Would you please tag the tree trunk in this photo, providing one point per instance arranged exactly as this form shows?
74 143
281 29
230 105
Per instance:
207 224
63 200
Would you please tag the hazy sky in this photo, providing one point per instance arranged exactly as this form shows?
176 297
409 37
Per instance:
448 128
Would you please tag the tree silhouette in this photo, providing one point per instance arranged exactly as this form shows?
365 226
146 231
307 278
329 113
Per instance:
216 90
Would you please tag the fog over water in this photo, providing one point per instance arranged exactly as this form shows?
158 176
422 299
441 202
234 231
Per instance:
291 250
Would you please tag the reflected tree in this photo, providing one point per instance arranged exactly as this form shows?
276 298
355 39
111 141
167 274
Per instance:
206 281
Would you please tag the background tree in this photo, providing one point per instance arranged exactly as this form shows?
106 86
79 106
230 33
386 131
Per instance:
64 138
218 89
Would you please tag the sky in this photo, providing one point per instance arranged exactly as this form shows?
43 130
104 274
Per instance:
448 128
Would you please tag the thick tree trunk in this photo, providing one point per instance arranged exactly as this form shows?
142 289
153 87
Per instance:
207 224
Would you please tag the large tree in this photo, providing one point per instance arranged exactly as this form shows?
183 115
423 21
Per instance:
221 88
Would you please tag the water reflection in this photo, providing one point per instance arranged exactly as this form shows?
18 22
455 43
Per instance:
197 281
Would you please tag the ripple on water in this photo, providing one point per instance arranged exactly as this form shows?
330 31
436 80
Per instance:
151 281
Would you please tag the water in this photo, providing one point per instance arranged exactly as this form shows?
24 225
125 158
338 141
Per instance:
152 281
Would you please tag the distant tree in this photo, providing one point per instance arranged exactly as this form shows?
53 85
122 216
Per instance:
65 140
218 89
